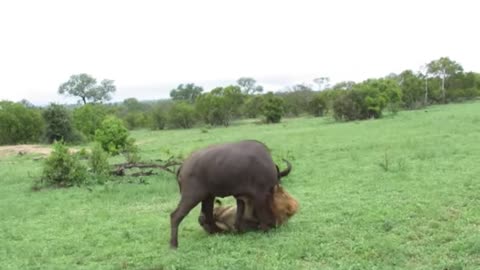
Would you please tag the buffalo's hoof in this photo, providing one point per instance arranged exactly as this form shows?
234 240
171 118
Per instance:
201 220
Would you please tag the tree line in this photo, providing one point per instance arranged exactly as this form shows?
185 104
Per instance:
438 82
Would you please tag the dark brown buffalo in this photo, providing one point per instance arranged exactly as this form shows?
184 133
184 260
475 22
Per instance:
237 169
283 206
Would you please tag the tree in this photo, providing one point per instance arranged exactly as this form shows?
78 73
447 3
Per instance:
322 83
350 105
134 113
188 92
248 86
252 106
221 105
318 105
345 85
444 68
296 101
182 115
412 89
272 108
85 87
58 123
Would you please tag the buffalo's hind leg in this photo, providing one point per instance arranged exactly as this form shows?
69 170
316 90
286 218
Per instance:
207 213
186 204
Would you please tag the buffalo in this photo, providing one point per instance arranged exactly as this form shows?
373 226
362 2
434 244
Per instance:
240 169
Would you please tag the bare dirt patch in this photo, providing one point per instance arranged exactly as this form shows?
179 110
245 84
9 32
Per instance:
23 149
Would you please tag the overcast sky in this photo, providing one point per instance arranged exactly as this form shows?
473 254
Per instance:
149 47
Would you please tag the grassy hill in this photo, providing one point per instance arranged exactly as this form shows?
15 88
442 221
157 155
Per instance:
397 193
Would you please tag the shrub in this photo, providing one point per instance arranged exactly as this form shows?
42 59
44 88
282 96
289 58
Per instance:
181 115
158 118
19 124
272 108
99 161
58 124
112 135
62 169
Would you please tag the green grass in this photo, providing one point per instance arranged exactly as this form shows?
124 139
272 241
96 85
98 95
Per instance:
394 193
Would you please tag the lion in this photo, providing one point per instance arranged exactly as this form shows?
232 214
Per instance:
283 206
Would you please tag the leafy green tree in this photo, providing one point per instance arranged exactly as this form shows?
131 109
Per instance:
249 86
86 88
112 135
322 83
186 92
19 124
58 124
444 68
463 86
181 115
367 100
221 105
158 118
134 113
88 118
378 94
345 85
297 100
412 87
252 107
318 105
350 105
273 108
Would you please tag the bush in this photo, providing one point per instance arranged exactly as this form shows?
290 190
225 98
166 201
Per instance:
112 135
19 124
318 105
272 108
99 161
252 106
62 169
88 118
158 118
135 120
181 115
350 106
59 124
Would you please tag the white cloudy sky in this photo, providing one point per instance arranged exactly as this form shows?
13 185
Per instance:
149 47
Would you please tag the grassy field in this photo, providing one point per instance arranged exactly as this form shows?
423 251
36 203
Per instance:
395 193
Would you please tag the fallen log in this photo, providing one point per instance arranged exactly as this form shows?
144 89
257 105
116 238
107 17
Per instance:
122 167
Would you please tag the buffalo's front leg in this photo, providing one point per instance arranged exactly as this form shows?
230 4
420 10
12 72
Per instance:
206 217
239 221
265 215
